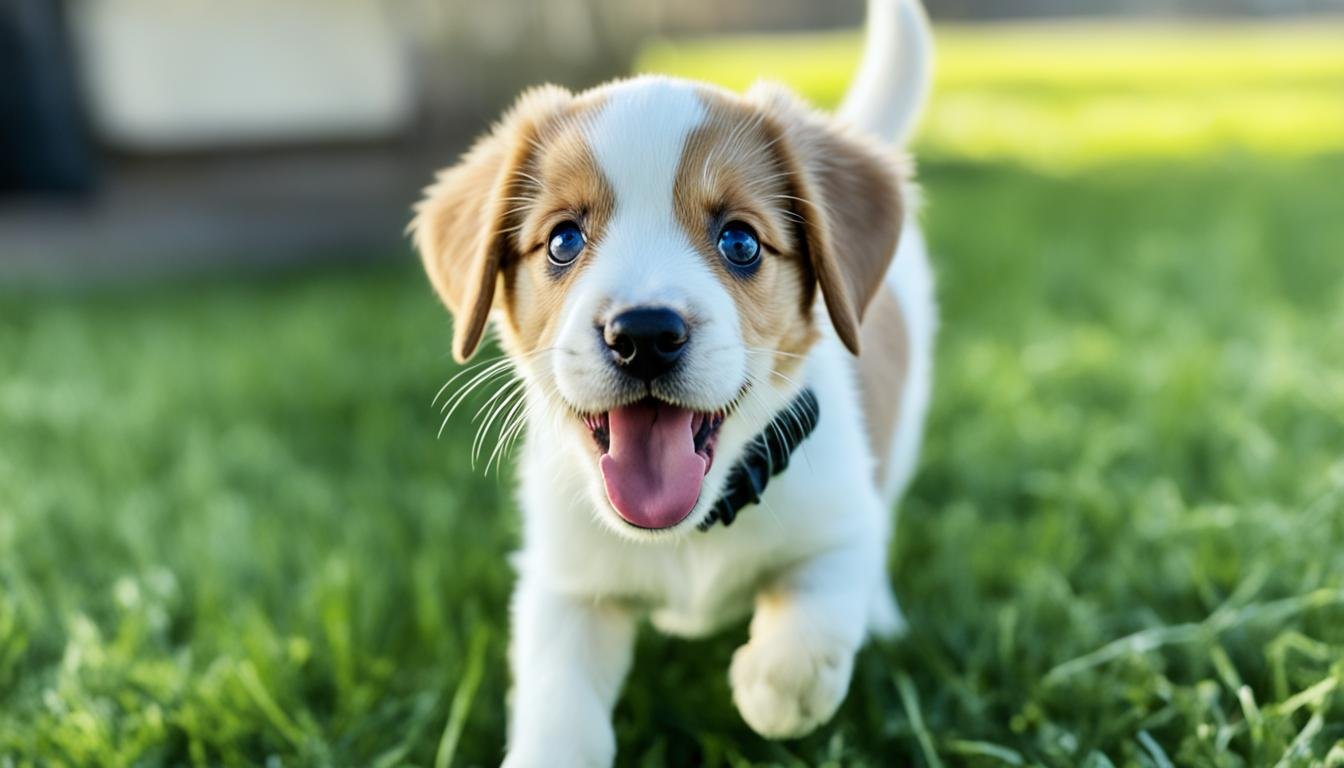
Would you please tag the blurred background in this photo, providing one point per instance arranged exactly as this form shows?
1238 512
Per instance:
234 530
152 135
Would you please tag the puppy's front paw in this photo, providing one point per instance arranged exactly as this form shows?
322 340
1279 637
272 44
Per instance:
786 684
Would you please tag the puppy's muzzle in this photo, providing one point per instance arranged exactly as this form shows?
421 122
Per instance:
646 342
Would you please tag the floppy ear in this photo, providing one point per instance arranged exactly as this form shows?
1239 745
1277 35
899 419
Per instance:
847 192
461 227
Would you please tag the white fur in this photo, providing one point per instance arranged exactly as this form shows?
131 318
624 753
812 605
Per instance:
810 559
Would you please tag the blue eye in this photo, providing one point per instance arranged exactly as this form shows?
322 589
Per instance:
738 244
565 244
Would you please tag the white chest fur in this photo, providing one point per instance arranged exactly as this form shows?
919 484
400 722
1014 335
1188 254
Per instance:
694 583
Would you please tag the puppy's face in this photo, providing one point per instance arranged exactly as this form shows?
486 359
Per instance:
652 251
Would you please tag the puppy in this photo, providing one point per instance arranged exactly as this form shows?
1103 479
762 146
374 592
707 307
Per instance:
722 314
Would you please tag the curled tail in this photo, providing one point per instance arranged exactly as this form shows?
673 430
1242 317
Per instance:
893 79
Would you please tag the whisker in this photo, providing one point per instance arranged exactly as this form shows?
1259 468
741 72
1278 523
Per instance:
478 442
507 387
785 377
764 351
497 366
463 372
506 404
480 379
504 428
512 426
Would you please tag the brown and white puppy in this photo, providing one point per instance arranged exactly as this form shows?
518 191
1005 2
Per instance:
667 265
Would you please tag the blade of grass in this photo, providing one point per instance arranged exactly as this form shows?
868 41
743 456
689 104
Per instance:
425 705
985 749
1096 759
1245 696
1314 695
1155 750
911 701
462 699
1303 741
1218 622
251 680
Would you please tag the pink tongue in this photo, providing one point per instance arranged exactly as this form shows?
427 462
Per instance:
652 471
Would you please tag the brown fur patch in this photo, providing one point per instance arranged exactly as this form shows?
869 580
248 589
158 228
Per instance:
563 183
847 192
729 173
486 220
882 373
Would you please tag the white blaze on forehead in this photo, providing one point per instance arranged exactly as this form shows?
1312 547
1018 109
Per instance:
638 138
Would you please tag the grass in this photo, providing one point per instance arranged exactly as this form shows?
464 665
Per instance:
228 534
1065 95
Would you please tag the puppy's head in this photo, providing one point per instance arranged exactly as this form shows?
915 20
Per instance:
652 251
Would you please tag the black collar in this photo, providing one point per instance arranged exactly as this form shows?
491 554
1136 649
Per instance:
766 456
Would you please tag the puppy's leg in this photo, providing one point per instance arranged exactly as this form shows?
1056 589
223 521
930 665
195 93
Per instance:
569 657
794 671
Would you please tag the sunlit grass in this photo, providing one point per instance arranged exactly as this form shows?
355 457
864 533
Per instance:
1065 94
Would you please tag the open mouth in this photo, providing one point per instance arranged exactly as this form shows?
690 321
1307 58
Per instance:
654 458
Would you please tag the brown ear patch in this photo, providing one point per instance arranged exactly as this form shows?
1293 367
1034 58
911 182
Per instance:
846 190
462 226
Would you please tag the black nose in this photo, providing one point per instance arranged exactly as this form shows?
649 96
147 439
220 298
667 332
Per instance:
646 343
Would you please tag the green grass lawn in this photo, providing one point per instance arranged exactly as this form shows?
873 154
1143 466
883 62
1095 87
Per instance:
229 535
